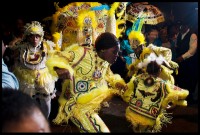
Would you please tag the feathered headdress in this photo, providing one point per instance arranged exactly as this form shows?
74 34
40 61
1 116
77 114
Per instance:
152 57
33 28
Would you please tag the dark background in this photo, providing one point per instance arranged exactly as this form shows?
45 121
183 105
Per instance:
39 9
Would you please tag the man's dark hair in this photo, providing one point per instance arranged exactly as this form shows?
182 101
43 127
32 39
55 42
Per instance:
153 68
16 106
106 40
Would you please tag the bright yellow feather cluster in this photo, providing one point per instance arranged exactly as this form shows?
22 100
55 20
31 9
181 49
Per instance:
82 15
137 36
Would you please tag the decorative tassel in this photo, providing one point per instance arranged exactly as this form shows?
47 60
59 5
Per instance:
162 119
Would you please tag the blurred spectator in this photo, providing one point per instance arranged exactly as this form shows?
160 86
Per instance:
20 113
8 79
151 36
15 39
173 30
186 57
166 42
6 36
18 30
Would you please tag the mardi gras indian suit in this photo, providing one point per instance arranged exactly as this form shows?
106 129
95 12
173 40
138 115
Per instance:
92 82
148 102
167 69
31 71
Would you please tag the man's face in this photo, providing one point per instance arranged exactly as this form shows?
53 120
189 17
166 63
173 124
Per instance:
163 34
153 35
34 122
20 25
34 39
110 55
134 43
138 50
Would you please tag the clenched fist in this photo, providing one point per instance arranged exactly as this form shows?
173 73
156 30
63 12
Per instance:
63 73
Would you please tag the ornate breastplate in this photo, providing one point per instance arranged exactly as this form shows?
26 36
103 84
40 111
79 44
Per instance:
33 58
148 96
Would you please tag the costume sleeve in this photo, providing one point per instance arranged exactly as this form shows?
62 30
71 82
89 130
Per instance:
166 74
166 52
8 79
132 68
175 95
59 59
49 45
192 47
174 66
130 91
114 79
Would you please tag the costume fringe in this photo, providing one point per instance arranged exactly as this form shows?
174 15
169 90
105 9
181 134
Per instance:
163 119
64 113
142 121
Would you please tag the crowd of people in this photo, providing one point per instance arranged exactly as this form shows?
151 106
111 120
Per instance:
83 63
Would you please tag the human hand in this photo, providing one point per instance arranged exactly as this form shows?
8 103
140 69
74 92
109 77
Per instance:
63 73
121 86
132 70
179 59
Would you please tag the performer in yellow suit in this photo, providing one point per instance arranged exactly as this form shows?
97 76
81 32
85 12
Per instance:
30 69
137 42
149 96
88 81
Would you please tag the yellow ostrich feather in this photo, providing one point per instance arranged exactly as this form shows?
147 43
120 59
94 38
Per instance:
65 9
82 15
56 37
144 52
119 30
54 22
56 6
114 6
60 62
137 35
119 14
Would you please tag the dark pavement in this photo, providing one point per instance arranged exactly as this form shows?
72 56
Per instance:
185 119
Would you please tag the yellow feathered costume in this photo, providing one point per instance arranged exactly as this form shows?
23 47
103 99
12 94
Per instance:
147 104
30 69
81 97
32 74
167 69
